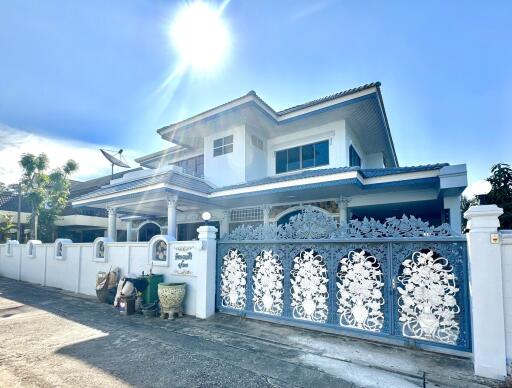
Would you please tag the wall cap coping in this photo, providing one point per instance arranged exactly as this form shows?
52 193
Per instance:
483 211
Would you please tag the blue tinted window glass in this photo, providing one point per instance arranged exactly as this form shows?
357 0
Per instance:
281 161
322 153
308 156
355 159
294 158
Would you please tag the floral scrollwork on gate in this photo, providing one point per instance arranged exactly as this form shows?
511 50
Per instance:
309 287
359 295
233 280
268 283
427 303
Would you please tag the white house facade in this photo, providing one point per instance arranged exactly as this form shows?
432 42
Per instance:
245 163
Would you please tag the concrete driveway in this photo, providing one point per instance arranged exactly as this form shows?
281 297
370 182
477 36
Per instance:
53 338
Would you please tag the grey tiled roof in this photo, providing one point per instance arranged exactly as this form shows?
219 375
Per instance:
171 177
366 173
285 111
9 202
328 98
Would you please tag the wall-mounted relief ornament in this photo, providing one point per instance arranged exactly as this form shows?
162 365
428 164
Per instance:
99 250
31 247
59 248
9 245
360 289
268 283
309 287
160 250
233 280
427 303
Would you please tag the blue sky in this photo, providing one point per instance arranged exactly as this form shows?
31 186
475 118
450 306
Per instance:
78 74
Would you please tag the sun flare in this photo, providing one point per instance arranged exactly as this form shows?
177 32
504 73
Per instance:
200 36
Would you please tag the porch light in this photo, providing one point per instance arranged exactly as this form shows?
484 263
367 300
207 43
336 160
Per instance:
206 216
481 189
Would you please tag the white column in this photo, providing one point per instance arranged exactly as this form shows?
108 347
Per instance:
224 222
129 230
112 228
205 283
171 217
343 208
489 354
453 205
266 214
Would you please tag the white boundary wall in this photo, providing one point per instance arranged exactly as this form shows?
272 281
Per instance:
506 265
76 270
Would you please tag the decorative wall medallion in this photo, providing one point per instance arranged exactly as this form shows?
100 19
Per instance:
233 280
268 283
160 251
359 295
309 287
427 303
101 250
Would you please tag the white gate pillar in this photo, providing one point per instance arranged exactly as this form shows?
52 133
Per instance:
205 297
488 321
112 219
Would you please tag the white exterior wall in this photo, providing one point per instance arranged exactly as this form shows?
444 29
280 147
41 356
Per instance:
77 270
228 169
255 159
506 261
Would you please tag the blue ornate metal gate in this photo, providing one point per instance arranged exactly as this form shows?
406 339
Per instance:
402 280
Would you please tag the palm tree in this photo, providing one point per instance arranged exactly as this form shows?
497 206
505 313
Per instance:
43 190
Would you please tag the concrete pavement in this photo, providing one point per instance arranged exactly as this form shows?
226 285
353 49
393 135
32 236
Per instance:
53 338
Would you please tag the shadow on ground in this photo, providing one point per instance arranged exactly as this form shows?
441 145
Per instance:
50 337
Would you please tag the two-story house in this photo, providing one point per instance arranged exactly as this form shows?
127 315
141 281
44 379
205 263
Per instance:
246 163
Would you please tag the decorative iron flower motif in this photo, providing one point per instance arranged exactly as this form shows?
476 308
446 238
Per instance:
268 283
309 287
427 304
233 281
359 295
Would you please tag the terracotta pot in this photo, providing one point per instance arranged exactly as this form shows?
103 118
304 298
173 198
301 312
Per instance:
171 297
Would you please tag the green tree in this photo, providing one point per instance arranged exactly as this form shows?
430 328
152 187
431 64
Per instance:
6 225
47 192
501 192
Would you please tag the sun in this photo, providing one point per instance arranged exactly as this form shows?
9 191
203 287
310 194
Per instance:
200 36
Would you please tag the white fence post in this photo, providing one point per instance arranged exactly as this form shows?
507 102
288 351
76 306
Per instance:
205 298
485 268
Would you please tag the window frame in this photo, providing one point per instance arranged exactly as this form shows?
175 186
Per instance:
301 160
352 152
225 147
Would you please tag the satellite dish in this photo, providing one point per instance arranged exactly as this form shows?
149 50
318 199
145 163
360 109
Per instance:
117 161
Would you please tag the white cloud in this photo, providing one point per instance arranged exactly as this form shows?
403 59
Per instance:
14 142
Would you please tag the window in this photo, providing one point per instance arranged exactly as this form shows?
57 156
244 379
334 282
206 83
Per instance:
354 158
193 166
306 156
257 142
223 145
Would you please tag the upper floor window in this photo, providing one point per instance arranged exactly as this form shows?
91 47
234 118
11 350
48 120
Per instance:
222 146
296 158
193 166
354 158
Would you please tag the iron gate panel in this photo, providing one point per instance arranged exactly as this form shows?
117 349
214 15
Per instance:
434 307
